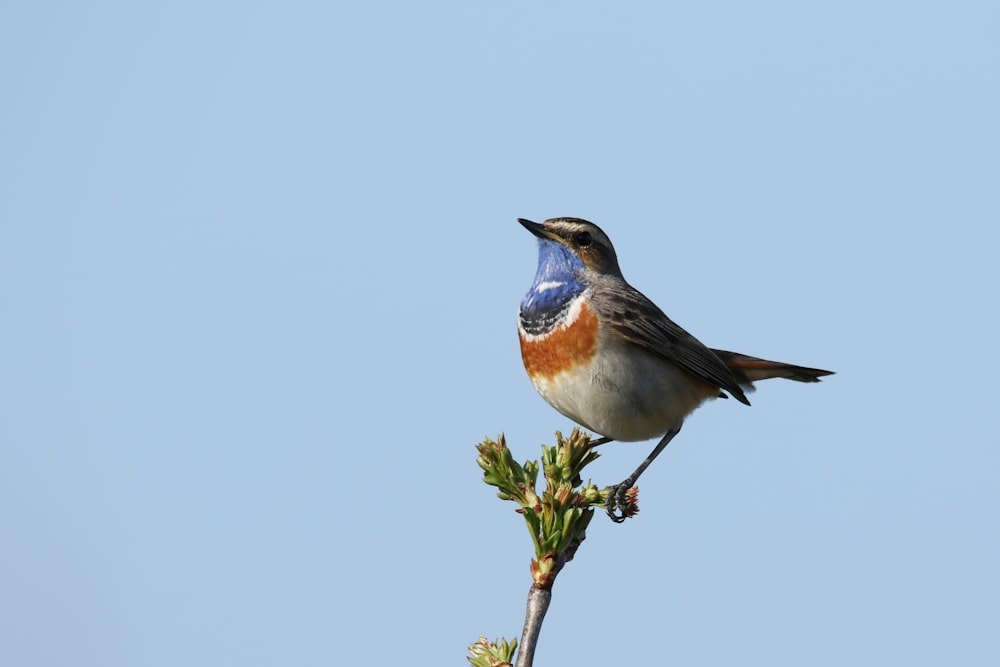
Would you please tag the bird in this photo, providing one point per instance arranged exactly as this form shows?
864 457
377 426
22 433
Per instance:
605 356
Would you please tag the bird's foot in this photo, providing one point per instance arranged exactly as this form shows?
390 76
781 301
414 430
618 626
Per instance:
623 501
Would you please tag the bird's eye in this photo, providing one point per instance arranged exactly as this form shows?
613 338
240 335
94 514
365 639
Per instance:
583 239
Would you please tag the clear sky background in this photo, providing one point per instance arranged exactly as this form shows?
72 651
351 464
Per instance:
259 271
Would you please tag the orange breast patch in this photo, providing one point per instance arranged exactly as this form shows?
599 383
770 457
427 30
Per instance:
562 348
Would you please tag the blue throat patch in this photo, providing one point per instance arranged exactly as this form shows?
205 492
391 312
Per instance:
555 287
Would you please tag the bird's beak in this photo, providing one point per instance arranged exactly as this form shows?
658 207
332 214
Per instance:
538 230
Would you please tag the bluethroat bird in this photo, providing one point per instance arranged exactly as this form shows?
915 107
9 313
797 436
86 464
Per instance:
605 356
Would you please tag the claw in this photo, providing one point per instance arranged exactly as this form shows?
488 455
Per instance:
621 504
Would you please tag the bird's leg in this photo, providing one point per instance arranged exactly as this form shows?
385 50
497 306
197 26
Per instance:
601 441
616 494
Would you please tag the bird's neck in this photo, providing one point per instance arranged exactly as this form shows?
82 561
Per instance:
557 285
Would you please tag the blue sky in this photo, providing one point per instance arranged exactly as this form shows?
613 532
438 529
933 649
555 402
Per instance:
259 269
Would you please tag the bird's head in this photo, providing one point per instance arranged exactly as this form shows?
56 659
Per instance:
574 242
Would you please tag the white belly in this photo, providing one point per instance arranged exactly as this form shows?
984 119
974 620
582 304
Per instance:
626 397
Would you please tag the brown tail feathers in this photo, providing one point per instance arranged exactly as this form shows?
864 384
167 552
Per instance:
749 369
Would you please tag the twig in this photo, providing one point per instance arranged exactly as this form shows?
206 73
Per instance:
538 604
556 518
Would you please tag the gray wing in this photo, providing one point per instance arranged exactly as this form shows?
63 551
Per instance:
637 319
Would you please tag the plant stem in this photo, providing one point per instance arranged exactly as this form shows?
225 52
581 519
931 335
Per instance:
538 604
